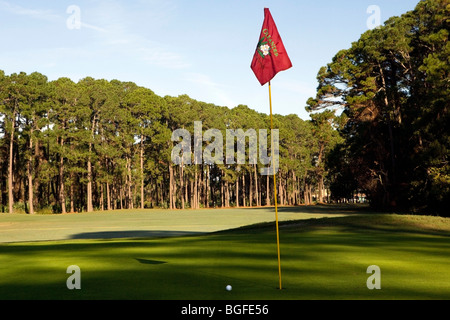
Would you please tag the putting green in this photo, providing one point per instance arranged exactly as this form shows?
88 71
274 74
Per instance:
321 259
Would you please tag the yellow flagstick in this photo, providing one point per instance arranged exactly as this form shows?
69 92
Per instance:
275 188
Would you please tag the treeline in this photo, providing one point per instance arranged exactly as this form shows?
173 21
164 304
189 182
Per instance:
101 145
393 85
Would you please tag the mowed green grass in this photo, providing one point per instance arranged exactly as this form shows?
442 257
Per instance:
323 258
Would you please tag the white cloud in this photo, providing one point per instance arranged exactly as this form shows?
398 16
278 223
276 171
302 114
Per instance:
122 35
159 56
42 14
215 93
33 13
92 27
115 32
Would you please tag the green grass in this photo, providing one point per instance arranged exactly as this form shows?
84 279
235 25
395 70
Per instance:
323 258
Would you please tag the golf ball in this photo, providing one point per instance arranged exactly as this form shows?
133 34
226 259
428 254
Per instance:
229 288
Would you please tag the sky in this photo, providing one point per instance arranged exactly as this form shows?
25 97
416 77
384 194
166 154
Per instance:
202 48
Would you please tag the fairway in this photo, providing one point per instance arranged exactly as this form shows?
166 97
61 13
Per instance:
145 223
323 258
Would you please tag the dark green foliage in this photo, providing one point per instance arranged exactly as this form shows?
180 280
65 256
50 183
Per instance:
393 84
101 145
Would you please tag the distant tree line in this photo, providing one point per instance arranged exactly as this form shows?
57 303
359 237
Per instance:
393 87
102 145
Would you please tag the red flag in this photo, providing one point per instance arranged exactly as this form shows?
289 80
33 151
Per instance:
270 56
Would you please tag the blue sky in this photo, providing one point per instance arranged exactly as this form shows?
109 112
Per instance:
195 47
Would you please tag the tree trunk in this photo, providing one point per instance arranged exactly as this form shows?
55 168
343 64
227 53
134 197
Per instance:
182 184
309 194
36 183
391 136
203 177
130 193
160 193
108 197
207 186
243 190
72 194
227 194
89 186
30 175
196 188
121 197
62 196
170 186
174 189
90 207
191 197
10 165
320 187
30 186
222 194
256 188
280 190
186 187
237 191
294 190
151 193
102 198
250 195
142 171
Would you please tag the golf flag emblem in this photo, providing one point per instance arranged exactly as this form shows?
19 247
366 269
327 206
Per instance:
270 56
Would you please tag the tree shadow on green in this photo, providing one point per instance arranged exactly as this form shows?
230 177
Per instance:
148 261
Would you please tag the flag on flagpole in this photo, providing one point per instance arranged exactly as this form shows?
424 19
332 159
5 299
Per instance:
269 59
270 56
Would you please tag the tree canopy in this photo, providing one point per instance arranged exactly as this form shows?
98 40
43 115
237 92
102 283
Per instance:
98 144
393 87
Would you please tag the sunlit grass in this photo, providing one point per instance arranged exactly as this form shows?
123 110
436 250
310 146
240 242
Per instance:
321 259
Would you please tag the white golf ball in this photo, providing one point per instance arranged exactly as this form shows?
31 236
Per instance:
229 288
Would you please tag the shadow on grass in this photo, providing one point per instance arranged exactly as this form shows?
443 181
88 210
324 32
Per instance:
320 209
148 261
316 265
135 234
359 222
390 223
